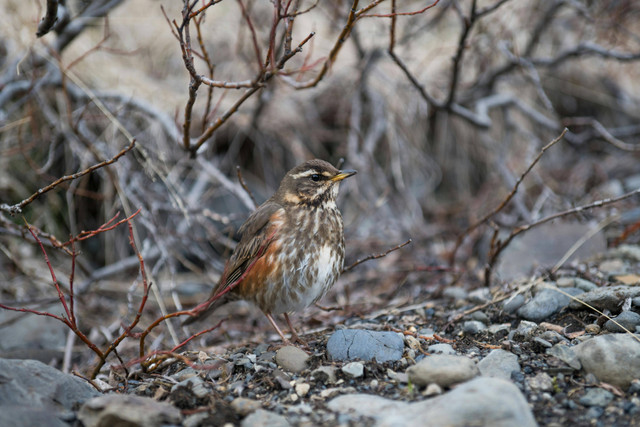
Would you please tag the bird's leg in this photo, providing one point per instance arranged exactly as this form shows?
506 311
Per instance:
294 335
275 325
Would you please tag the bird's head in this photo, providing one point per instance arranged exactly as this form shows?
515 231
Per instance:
313 183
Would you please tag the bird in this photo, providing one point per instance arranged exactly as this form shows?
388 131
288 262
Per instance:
291 249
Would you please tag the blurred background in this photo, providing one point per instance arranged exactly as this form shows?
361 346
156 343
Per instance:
439 110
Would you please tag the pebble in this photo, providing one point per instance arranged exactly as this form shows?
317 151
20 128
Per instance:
353 369
263 418
441 348
613 267
592 328
545 303
576 282
565 354
351 344
432 390
129 410
526 329
196 384
473 327
444 370
627 319
499 364
454 293
292 359
482 401
540 382
494 329
325 374
630 252
302 389
596 397
513 303
612 358
243 406
609 298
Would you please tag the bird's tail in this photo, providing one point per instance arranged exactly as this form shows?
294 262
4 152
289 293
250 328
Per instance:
205 309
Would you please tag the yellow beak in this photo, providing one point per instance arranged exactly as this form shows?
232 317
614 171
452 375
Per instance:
343 174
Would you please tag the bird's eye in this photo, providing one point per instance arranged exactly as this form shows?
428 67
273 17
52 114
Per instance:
315 177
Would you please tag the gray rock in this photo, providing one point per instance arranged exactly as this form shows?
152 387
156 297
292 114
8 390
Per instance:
292 359
545 303
31 391
526 328
32 337
454 293
612 358
127 410
441 348
540 382
353 369
494 329
350 344
444 370
630 252
480 402
262 418
610 298
566 354
513 303
626 319
473 327
244 406
195 384
499 364
596 397
325 374
576 282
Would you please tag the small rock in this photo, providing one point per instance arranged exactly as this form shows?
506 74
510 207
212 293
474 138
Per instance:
613 266
542 342
494 329
353 369
540 382
592 328
526 328
350 344
325 374
441 348
546 302
244 406
292 359
432 390
626 319
596 397
480 296
610 298
129 410
401 377
262 418
612 358
480 316
454 293
566 354
630 252
196 384
513 303
473 327
302 389
576 282
444 370
499 364
479 402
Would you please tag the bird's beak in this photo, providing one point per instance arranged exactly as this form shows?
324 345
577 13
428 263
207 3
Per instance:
343 174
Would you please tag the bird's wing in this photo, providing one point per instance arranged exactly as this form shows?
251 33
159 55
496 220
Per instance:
256 235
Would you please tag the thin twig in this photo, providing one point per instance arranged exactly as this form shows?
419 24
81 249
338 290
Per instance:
376 256
244 186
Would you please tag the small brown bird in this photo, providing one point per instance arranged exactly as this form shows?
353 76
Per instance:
291 249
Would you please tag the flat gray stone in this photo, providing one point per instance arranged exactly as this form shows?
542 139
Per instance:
292 359
351 344
545 303
610 298
499 364
566 354
128 410
353 369
596 397
612 358
626 319
441 348
263 418
244 406
44 391
444 370
480 402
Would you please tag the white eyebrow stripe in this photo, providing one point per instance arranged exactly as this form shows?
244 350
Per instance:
304 174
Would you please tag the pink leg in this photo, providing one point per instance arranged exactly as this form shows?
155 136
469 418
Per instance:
275 325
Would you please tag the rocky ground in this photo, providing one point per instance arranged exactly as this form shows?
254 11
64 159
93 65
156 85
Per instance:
480 358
